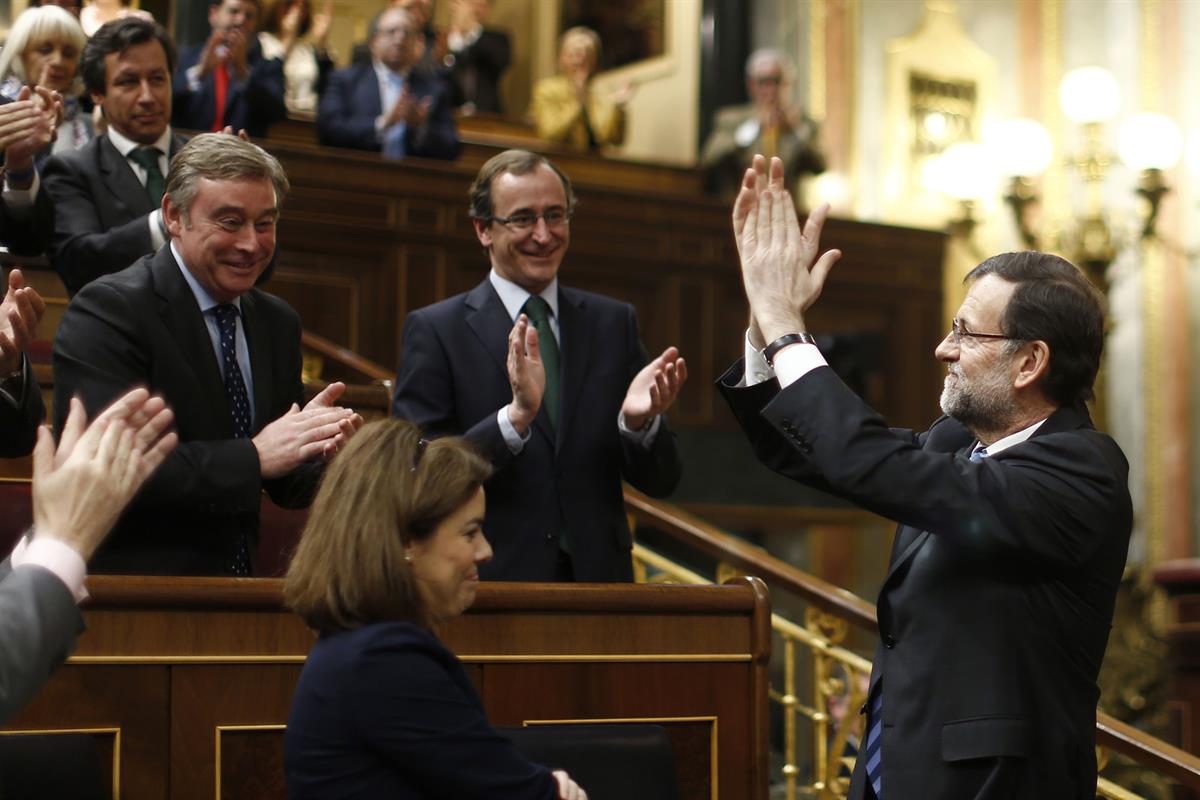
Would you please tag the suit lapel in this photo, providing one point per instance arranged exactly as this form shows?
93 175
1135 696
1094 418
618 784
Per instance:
181 316
575 352
121 180
369 97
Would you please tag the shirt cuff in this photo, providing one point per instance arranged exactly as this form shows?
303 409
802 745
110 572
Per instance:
55 555
756 370
797 360
515 441
157 239
644 437
21 199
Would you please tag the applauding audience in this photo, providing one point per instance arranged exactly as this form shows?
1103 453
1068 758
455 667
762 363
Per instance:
306 60
43 49
27 127
79 490
392 549
227 82
567 109
21 407
107 194
189 323
389 105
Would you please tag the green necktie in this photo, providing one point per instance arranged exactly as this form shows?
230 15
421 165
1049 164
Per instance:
147 159
538 311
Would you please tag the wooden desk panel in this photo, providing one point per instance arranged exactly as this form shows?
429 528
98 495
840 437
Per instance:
197 674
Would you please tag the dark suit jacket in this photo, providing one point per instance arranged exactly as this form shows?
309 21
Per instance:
41 622
143 326
995 611
253 104
477 69
20 416
351 103
100 211
453 380
386 711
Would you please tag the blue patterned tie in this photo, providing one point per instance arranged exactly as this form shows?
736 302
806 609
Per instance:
874 752
979 455
239 406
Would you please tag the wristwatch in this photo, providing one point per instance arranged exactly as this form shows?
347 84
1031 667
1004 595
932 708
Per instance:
770 351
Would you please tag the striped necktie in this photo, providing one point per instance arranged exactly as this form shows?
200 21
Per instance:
874 751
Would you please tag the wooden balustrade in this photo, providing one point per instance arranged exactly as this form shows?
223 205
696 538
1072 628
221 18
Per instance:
186 682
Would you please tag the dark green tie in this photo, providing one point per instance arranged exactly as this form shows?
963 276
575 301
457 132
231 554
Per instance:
538 311
147 159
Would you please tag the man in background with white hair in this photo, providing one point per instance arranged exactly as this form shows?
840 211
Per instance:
767 125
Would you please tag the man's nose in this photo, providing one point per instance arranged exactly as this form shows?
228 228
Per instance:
947 350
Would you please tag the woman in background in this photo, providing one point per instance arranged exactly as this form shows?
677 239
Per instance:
565 107
43 49
306 63
392 548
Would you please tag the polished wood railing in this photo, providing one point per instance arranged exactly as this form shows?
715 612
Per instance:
837 672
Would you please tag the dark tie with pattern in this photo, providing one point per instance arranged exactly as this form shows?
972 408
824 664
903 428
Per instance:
147 159
538 311
874 750
239 406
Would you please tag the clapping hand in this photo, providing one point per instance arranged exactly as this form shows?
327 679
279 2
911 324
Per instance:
654 389
526 374
20 313
83 485
781 271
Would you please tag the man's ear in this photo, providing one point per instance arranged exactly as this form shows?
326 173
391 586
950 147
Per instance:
1033 363
172 217
483 231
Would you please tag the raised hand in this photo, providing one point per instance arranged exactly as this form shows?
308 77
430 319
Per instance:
567 788
526 374
654 389
347 427
80 488
20 312
781 271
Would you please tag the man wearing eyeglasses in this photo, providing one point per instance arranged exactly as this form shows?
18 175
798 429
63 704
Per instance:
390 104
768 124
551 383
1014 512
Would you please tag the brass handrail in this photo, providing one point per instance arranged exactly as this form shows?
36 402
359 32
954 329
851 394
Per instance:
782 576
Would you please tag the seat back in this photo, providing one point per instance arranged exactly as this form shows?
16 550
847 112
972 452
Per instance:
39 766
610 761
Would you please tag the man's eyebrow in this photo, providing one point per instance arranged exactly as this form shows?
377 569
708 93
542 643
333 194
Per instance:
273 211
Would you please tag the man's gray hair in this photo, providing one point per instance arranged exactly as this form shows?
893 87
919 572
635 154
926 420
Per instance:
766 57
220 157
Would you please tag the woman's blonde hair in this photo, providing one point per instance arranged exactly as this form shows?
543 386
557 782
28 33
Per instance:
389 487
34 25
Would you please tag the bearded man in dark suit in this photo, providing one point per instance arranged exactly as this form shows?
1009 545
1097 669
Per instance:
107 194
188 323
1014 512
551 383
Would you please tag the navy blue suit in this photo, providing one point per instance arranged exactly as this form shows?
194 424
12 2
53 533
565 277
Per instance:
386 711
996 607
453 380
351 104
252 104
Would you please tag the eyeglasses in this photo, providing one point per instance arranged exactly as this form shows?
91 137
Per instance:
422 443
768 79
958 331
524 220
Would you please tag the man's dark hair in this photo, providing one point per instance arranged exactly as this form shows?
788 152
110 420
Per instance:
117 37
515 162
1055 303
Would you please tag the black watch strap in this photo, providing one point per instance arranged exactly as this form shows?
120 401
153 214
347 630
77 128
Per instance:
770 351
